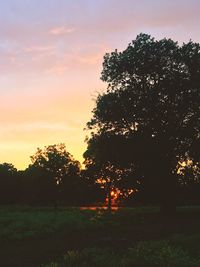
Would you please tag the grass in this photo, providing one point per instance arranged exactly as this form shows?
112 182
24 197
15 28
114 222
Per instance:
21 223
153 253
26 223
70 237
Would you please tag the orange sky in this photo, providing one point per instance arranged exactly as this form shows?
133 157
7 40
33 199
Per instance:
51 54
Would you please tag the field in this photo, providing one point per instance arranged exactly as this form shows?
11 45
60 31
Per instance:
62 237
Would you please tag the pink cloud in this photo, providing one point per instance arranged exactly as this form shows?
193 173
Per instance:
40 49
62 30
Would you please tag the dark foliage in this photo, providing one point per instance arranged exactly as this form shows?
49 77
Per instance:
53 178
148 119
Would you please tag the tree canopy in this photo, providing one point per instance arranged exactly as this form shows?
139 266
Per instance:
149 116
58 170
56 160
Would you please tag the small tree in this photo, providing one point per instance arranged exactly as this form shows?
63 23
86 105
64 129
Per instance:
60 169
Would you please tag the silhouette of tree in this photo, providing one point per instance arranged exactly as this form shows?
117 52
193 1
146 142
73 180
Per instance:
189 180
93 192
59 170
8 183
39 186
104 166
152 106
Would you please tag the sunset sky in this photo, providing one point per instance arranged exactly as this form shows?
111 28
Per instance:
51 54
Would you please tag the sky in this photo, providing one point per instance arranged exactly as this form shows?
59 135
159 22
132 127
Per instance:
51 54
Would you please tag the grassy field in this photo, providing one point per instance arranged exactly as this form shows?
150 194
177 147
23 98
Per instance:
70 237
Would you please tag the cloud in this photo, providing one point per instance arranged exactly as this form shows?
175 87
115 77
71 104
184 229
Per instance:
34 127
88 57
38 49
63 30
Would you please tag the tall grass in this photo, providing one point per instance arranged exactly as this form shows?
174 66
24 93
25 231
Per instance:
21 223
144 254
35 223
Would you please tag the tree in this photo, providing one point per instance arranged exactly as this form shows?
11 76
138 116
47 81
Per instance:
189 180
59 170
152 107
39 186
9 183
102 164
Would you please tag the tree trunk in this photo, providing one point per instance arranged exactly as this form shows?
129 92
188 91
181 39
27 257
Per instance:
109 200
168 192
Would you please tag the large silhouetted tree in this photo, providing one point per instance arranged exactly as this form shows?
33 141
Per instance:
151 107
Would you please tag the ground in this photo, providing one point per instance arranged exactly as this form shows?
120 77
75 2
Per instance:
70 237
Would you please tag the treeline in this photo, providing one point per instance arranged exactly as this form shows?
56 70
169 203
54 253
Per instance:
53 178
